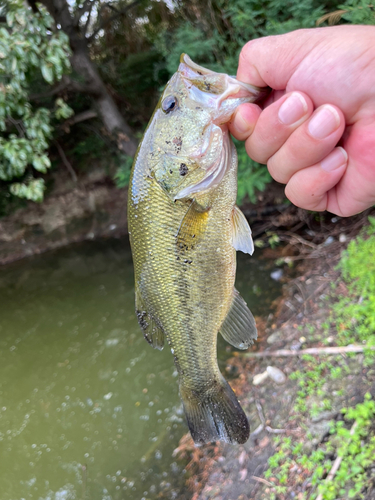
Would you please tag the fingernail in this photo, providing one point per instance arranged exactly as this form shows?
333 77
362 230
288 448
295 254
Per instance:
242 125
336 159
324 122
293 109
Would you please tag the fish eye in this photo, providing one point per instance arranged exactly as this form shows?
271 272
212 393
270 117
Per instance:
169 104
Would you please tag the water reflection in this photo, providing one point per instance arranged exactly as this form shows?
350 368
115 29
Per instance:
87 408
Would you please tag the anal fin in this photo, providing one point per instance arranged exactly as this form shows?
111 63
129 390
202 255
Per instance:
239 327
241 238
152 332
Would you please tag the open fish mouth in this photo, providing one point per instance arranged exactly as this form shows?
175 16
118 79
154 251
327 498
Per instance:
218 87
220 94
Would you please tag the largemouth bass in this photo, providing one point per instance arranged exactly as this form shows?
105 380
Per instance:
184 231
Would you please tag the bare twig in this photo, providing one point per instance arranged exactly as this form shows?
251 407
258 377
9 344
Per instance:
66 83
66 162
80 117
336 463
299 239
311 350
108 21
261 480
257 431
260 412
263 420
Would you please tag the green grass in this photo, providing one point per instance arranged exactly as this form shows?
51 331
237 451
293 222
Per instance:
355 444
354 314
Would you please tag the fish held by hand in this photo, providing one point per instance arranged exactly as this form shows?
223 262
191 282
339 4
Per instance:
184 231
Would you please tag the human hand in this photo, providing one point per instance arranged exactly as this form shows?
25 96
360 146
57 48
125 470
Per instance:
324 92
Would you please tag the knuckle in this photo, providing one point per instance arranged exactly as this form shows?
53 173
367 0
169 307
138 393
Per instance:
246 51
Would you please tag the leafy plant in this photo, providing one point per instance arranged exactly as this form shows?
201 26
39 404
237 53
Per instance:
354 314
28 50
355 446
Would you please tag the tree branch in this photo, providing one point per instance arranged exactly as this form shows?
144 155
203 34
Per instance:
104 23
80 117
66 162
66 83
312 350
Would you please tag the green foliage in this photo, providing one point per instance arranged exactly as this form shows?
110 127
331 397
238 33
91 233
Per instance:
32 190
28 48
352 11
354 314
191 40
252 176
122 175
355 446
310 381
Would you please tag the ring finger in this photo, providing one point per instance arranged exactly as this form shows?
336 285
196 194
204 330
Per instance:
308 144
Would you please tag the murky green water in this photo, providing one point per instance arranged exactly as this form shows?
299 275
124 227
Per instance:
87 409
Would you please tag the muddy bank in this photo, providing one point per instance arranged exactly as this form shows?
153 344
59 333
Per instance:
91 208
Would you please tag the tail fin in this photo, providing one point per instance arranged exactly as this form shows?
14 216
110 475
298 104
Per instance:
215 414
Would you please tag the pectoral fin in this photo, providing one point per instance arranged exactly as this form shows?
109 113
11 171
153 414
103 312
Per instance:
241 239
192 227
152 332
239 327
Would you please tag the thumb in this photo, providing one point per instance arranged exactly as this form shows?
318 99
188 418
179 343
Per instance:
272 60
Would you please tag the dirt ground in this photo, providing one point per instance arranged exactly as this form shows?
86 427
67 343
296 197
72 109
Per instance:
227 472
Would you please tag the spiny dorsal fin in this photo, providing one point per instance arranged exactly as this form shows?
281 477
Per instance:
241 239
151 331
192 227
239 327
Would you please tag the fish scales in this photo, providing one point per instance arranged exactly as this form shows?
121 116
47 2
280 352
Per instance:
182 226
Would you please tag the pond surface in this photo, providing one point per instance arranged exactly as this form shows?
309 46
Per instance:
88 410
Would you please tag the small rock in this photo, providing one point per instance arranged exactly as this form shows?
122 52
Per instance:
243 474
277 274
242 457
274 337
260 378
342 238
329 241
276 375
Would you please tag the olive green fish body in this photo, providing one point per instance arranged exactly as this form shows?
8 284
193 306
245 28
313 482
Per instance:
183 227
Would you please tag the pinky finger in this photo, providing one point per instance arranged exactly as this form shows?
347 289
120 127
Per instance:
308 188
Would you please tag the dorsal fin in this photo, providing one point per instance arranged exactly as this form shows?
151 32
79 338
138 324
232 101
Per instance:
152 332
241 238
239 327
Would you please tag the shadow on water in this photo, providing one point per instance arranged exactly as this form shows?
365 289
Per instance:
87 409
